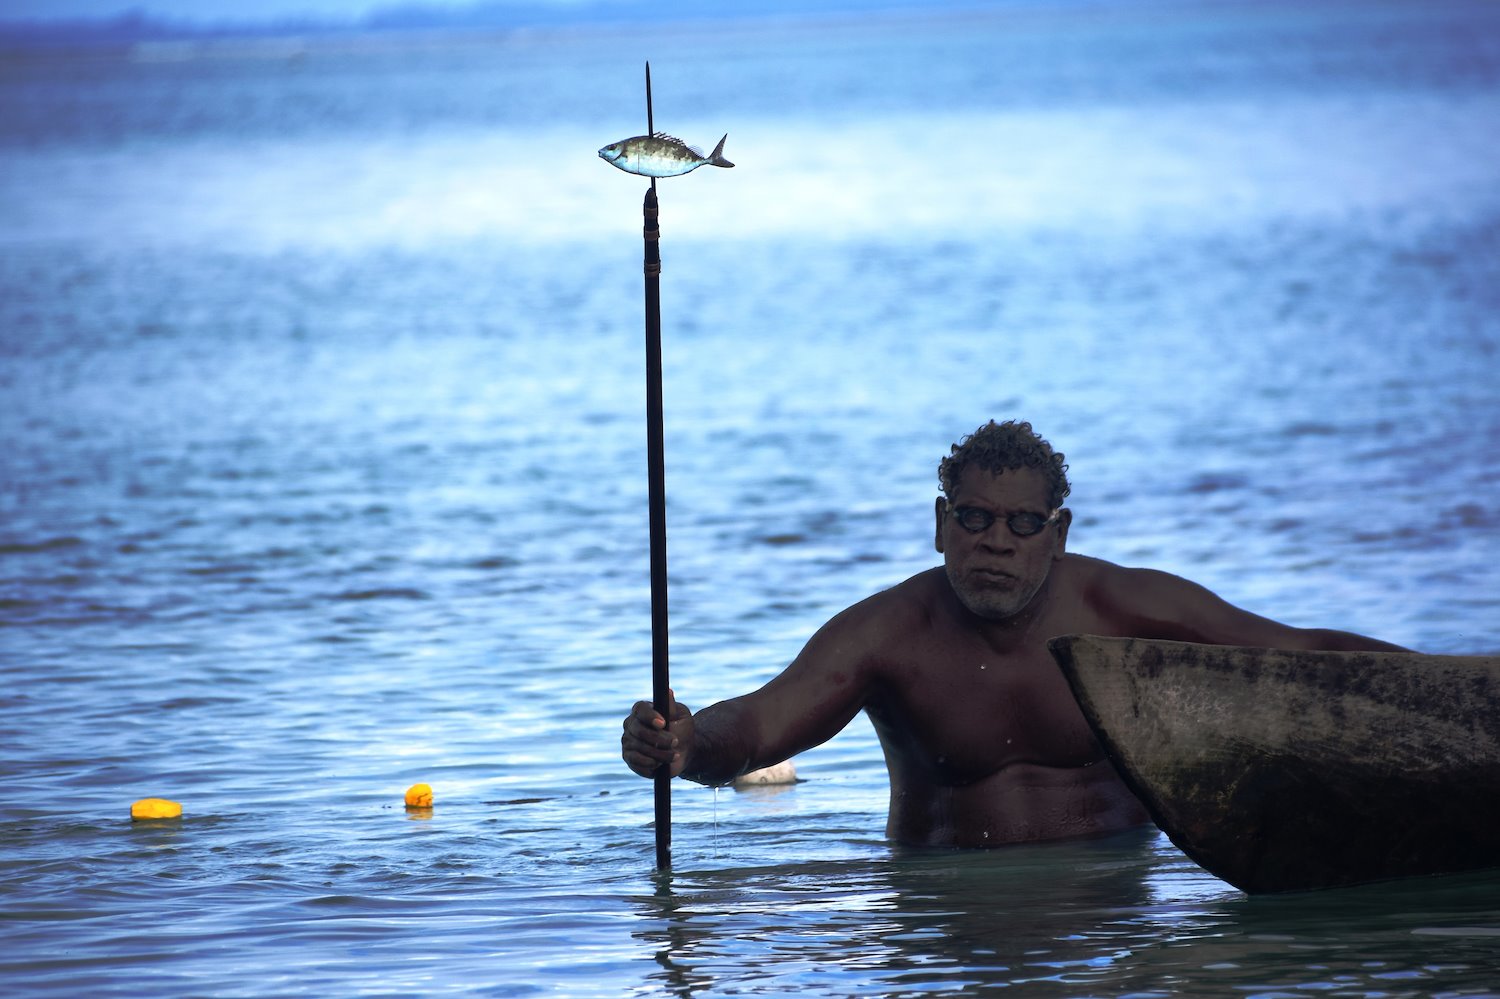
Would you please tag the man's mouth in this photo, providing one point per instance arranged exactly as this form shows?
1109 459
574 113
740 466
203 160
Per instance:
993 575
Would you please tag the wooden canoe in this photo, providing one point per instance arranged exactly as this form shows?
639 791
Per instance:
1286 771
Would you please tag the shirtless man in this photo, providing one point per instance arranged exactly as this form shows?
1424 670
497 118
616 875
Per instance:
983 740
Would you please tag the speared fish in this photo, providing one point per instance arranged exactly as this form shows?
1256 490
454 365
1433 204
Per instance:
660 155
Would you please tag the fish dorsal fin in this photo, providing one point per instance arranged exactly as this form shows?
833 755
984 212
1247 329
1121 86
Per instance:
696 151
667 138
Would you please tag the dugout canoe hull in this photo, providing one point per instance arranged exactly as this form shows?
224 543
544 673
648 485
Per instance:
1287 771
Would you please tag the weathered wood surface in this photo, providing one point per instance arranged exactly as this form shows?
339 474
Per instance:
1286 771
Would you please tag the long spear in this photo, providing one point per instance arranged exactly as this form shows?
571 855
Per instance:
661 696
652 155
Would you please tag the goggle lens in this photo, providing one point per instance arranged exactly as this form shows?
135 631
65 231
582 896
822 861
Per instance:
1022 525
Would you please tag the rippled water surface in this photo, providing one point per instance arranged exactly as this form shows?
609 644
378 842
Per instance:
322 392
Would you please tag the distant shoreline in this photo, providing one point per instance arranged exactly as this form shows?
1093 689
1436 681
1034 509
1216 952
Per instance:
129 28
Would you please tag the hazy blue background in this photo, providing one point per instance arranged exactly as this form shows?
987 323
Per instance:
330 13
322 389
205 11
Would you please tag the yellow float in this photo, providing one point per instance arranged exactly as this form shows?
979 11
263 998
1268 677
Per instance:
155 808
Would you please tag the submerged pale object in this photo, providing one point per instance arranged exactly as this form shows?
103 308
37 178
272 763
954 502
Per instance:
777 773
660 155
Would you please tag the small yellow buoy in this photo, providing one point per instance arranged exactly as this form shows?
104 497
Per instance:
419 796
155 808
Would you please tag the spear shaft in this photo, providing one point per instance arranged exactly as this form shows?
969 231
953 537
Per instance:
661 696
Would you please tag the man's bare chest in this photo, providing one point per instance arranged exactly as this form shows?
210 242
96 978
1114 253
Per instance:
965 715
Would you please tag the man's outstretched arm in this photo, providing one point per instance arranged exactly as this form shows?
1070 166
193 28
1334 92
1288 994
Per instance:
805 705
1160 605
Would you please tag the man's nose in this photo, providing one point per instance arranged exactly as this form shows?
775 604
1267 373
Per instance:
998 537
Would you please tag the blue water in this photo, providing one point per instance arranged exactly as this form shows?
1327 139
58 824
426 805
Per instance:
322 392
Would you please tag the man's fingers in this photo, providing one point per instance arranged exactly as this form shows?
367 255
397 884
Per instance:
643 718
645 738
647 743
646 715
647 763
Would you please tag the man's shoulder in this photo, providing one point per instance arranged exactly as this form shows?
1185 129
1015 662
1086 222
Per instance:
1085 572
1101 587
901 609
1089 572
911 595
1131 600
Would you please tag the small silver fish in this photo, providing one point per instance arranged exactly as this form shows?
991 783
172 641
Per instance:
660 155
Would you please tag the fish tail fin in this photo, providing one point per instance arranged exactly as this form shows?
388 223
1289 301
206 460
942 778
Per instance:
717 156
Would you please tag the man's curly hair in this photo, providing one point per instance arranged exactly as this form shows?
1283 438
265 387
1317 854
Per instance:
998 447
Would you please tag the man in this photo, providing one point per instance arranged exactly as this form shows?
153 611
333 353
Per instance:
983 740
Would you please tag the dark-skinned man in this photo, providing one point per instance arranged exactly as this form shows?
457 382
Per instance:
983 740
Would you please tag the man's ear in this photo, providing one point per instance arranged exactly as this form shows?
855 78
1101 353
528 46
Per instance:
1064 521
941 507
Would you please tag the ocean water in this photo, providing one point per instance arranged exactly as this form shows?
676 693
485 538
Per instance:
322 391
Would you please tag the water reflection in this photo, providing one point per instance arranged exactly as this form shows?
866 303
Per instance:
1124 914
909 919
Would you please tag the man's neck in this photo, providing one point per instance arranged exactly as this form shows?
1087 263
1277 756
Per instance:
1009 634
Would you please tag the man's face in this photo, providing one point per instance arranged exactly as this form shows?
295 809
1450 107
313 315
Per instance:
994 572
